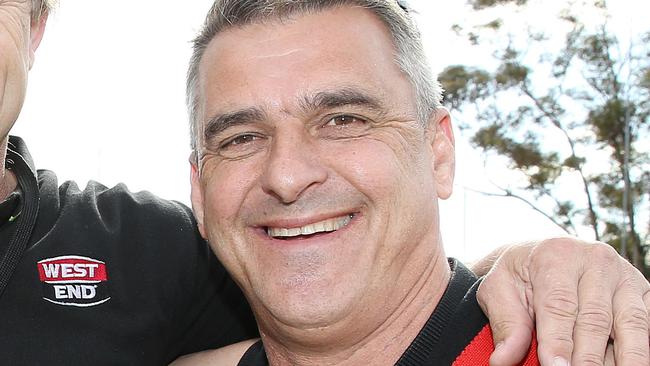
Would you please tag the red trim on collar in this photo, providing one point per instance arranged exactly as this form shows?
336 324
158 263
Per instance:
478 352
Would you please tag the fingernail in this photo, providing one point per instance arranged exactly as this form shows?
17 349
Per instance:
559 361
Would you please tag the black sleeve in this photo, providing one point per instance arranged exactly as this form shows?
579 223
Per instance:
215 313
164 293
219 314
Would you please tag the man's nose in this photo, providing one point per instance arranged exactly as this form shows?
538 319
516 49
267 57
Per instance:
292 167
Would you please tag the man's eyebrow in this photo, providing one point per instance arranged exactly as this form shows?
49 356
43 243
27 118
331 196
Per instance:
339 98
321 100
222 122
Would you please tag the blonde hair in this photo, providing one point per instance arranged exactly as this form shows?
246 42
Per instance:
41 8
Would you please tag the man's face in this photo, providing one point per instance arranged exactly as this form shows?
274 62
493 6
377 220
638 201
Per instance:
18 40
317 187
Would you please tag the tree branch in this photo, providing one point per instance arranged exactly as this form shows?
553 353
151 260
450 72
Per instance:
509 194
558 124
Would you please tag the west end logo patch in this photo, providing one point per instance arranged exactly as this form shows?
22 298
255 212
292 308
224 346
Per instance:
74 281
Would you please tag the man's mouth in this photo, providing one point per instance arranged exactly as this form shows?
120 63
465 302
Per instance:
324 226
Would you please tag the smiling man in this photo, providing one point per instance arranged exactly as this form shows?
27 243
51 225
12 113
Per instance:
105 276
321 152
333 164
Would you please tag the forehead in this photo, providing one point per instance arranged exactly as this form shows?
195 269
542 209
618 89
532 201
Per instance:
13 7
281 60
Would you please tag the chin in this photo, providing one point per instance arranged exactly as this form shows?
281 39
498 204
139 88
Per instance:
319 313
305 304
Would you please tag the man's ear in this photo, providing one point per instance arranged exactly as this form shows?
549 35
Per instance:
36 35
441 138
197 195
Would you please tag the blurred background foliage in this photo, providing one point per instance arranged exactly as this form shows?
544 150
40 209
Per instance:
566 107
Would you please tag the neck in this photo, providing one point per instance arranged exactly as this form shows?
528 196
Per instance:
8 181
385 342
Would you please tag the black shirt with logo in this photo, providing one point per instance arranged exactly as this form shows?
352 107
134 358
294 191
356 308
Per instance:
104 276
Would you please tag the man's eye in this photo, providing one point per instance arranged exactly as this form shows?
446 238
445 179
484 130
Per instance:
344 126
240 146
239 140
345 120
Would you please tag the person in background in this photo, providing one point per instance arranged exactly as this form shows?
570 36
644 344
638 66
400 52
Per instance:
104 276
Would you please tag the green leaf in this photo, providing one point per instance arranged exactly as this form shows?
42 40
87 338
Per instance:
511 74
484 4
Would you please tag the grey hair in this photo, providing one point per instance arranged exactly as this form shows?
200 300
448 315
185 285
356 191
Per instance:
410 56
41 8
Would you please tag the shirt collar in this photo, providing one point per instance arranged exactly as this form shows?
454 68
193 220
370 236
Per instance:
10 207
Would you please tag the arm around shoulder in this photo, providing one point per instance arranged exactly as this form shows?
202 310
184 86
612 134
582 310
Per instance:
229 355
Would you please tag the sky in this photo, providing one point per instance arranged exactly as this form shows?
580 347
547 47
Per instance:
106 102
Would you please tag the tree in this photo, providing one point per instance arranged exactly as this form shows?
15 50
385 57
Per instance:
564 108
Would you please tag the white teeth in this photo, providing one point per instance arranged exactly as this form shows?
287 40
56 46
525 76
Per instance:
318 227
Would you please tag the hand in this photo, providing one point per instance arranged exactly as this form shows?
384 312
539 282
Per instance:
580 295
228 355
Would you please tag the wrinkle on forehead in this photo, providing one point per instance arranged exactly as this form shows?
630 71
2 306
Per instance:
282 54
16 13
281 67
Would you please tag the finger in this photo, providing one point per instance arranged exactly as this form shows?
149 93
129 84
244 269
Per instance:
513 345
503 301
555 299
595 317
630 328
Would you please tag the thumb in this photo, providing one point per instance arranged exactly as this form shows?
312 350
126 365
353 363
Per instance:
511 322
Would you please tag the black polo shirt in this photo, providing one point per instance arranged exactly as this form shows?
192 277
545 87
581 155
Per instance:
105 276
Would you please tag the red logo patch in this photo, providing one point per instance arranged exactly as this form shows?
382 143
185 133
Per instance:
73 280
